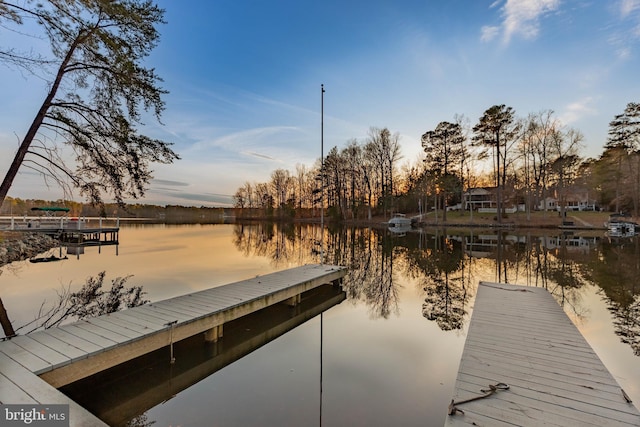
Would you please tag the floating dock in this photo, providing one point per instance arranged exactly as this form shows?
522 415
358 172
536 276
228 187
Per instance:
33 366
542 370
131 389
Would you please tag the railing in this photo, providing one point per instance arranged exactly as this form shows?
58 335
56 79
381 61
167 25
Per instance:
42 222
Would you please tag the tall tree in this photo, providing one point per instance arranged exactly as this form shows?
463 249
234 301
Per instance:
539 131
335 181
498 129
301 184
565 146
624 145
444 148
353 158
282 185
383 150
97 94
240 198
624 129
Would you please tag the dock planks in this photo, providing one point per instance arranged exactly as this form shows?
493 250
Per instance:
19 385
32 366
520 336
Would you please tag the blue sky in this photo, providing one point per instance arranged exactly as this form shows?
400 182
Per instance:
244 79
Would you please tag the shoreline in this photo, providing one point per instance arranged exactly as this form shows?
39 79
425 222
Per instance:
19 246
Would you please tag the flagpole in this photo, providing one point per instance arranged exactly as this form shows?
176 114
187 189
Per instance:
322 174
321 224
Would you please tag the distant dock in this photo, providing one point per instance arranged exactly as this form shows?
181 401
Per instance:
73 233
63 355
542 370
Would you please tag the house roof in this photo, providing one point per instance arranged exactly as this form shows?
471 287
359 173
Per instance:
479 191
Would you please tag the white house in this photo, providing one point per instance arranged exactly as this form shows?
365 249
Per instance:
479 198
548 204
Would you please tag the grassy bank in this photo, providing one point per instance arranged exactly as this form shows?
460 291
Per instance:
520 219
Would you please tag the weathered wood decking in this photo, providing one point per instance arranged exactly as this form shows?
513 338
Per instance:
117 401
520 336
63 355
19 385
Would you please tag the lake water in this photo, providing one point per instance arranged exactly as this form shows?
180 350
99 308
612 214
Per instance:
383 352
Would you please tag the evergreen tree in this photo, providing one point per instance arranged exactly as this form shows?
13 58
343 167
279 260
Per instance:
97 93
498 129
444 148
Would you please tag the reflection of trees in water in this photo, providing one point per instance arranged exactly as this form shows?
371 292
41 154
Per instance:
563 273
627 322
370 258
449 266
366 252
439 262
616 270
281 243
445 303
140 421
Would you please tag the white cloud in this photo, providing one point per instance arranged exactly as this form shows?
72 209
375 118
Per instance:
626 32
246 137
520 17
489 33
628 6
623 53
577 110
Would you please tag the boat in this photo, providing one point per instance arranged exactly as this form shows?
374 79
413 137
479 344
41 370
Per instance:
50 209
399 223
622 229
621 225
49 217
47 259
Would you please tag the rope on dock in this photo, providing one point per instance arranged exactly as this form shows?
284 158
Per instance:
493 388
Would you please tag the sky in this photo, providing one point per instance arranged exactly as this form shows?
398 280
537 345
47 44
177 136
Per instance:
244 80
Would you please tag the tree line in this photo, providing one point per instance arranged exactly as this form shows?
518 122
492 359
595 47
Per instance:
531 160
170 214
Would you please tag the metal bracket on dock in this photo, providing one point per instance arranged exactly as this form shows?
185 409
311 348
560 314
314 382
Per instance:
172 324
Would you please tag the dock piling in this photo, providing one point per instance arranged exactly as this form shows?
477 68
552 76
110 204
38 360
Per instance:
213 334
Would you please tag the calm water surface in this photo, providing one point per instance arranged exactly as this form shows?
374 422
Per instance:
383 352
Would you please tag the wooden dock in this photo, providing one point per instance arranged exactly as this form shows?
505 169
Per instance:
129 390
60 356
521 337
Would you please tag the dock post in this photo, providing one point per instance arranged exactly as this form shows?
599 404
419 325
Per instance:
213 334
294 300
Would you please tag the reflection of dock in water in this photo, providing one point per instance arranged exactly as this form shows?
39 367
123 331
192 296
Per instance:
63 355
76 240
129 390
